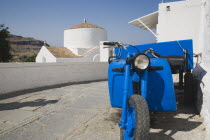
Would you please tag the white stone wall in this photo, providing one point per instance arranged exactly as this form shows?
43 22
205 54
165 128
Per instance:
79 51
47 57
190 19
202 71
82 51
84 37
75 51
105 53
44 56
88 58
181 22
21 76
96 58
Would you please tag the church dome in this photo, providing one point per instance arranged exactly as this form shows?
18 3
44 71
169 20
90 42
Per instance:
85 25
84 35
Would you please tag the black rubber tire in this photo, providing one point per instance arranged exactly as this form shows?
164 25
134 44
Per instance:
142 118
189 96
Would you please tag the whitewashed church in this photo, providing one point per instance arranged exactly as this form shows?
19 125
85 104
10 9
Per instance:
81 44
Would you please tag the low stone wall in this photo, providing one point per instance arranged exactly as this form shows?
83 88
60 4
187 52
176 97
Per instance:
22 76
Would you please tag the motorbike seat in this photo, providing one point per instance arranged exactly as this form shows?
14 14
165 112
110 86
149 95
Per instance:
175 60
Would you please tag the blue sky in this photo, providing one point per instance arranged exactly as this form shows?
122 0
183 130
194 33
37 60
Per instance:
47 19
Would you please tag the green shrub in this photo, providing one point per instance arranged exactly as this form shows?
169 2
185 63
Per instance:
30 58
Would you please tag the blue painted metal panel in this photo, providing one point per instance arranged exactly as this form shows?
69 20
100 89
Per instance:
116 84
164 49
160 94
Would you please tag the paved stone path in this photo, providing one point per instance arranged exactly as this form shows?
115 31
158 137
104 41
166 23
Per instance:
82 112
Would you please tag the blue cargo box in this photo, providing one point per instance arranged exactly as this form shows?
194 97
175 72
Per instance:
160 94
164 49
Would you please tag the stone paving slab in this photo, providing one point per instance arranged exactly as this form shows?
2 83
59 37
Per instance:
54 126
83 112
63 111
16 116
13 119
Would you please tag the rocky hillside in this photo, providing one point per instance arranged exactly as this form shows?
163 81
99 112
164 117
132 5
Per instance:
24 47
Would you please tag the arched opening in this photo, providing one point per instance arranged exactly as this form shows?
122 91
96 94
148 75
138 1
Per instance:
43 59
96 58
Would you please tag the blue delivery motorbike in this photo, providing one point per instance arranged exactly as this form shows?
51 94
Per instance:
140 80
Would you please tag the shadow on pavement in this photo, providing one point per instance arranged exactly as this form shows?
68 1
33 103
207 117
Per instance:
17 105
29 91
160 136
169 123
165 124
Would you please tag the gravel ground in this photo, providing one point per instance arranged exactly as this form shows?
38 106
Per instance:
83 112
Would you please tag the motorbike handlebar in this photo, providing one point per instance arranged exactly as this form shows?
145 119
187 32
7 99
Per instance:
152 52
157 54
111 43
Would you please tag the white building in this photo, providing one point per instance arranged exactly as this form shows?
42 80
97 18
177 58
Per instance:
81 44
189 19
174 21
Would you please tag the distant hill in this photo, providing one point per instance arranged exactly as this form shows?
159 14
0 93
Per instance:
24 47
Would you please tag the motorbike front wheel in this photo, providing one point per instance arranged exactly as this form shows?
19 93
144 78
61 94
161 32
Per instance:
138 120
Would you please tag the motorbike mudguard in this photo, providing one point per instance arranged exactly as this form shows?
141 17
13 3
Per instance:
160 94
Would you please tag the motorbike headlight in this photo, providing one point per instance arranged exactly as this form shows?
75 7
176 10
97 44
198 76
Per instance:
141 62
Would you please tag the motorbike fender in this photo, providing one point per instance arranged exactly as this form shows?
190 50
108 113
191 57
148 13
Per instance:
160 89
160 95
